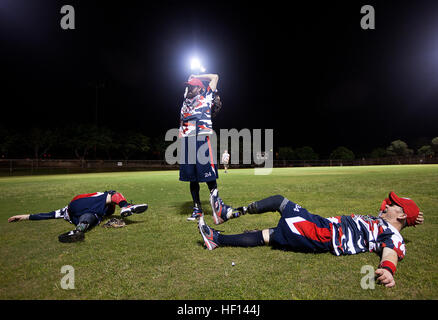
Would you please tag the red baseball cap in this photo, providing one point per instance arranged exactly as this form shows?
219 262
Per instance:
408 205
195 82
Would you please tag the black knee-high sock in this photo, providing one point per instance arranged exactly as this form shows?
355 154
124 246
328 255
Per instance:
270 204
194 190
250 239
212 185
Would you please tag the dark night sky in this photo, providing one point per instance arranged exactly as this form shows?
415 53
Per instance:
306 70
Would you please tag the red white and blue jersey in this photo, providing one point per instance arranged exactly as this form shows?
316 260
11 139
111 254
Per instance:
196 115
342 235
361 233
94 203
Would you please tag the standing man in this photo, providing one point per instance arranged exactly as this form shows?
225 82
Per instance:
226 160
197 164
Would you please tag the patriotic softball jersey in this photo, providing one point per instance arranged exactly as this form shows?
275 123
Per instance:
340 235
196 115
361 233
94 203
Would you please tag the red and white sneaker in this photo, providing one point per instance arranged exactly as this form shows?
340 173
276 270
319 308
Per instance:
221 212
133 208
197 213
209 235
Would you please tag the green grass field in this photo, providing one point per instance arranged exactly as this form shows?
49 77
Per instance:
160 255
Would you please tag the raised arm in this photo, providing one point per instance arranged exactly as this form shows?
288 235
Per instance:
212 78
387 267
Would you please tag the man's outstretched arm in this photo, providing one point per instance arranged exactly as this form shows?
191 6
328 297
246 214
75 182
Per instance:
387 267
39 216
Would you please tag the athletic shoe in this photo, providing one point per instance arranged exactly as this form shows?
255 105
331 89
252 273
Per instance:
133 208
71 236
221 212
209 235
240 211
197 213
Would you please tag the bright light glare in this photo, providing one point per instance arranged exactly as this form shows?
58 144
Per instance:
195 63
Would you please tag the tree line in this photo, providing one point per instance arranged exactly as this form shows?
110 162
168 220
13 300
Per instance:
397 148
88 141
80 141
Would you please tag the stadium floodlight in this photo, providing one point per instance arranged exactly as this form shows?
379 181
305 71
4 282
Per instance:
195 64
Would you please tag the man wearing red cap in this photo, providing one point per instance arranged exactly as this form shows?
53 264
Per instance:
197 163
299 230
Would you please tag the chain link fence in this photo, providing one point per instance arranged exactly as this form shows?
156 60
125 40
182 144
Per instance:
15 167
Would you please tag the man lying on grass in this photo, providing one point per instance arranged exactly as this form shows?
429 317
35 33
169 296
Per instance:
85 211
299 230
